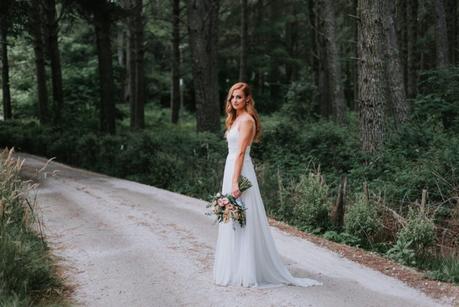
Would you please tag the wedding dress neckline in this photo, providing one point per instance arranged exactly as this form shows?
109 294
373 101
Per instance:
234 125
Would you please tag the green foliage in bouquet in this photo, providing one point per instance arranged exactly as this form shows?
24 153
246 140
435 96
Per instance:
226 207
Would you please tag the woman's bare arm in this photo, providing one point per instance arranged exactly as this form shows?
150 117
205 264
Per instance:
246 131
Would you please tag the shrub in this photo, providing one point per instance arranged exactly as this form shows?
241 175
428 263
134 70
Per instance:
342 237
438 97
402 252
419 230
301 99
311 205
362 220
445 269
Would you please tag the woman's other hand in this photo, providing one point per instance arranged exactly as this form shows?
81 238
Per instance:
235 190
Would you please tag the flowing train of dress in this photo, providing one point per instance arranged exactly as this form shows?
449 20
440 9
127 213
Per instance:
247 256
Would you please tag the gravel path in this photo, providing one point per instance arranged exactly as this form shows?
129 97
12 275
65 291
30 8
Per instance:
129 244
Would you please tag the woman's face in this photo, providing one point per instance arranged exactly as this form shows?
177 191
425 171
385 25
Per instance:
238 99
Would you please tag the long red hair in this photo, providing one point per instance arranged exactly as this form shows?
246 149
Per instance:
249 107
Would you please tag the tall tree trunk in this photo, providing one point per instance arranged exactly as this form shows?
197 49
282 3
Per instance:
175 82
56 72
36 29
122 60
371 75
203 35
274 63
121 48
243 55
139 63
334 67
313 57
401 21
451 25
258 40
102 24
7 114
441 36
355 77
325 106
393 67
291 37
131 68
411 44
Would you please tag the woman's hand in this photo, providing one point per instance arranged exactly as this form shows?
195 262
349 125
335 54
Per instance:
235 190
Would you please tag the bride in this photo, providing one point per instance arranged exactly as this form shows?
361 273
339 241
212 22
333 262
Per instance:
247 256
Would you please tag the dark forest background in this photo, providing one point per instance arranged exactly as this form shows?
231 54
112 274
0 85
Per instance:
359 105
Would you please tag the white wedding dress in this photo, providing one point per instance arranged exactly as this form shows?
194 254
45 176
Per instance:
247 256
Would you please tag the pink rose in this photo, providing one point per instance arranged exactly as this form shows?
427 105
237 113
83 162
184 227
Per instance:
220 202
225 201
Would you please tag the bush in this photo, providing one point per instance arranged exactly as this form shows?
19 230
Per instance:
402 252
311 205
301 99
362 220
445 269
342 237
438 97
419 230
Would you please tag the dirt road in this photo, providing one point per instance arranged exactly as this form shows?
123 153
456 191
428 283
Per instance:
128 244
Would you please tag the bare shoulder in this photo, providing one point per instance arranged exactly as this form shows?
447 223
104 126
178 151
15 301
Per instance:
247 119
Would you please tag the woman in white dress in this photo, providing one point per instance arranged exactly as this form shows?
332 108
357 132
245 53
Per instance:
247 256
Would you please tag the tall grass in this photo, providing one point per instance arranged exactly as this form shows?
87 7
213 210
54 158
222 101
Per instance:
27 273
444 268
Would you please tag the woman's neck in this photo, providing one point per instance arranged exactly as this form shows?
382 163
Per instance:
238 113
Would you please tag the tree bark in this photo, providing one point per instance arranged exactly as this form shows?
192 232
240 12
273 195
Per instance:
131 65
36 29
139 66
355 76
7 113
334 68
130 94
451 25
102 24
175 80
275 10
243 55
325 106
371 75
441 35
292 42
402 36
257 40
122 60
411 44
393 66
203 36
337 213
313 54
53 48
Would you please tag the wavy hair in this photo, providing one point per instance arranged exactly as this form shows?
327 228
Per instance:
249 107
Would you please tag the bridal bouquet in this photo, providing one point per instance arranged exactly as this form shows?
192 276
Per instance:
226 207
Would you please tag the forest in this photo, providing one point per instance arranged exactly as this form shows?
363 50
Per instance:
358 100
